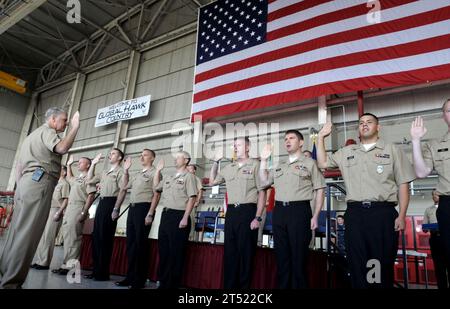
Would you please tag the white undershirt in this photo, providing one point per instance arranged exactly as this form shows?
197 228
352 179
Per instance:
292 158
368 146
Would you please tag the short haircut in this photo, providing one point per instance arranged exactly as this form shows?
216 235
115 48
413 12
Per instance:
307 151
340 216
54 111
89 160
296 132
151 151
445 103
120 153
186 156
370 114
245 138
194 166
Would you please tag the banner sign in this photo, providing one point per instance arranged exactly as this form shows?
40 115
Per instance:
123 110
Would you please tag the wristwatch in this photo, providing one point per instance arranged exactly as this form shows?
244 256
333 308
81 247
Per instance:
259 219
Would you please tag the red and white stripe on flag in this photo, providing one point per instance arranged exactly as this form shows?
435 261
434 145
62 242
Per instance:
314 47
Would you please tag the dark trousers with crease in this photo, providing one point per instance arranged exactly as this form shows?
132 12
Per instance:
240 246
292 236
371 243
172 243
137 244
443 218
103 237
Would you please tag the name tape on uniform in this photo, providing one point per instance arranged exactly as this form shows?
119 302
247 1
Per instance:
123 110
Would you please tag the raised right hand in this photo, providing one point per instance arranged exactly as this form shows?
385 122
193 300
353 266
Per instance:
326 129
97 158
75 122
70 161
418 130
266 152
127 163
160 165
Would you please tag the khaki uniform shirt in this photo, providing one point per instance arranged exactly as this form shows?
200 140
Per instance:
372 175
141 186
242 183
430 215
437 156
296 181
79 189
37 150
177 190
61 192
110 182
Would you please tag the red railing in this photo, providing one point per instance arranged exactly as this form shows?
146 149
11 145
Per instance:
6 209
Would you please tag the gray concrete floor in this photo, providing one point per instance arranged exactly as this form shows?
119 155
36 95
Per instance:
45 279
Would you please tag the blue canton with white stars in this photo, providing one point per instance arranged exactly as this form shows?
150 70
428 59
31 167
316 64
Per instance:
228 26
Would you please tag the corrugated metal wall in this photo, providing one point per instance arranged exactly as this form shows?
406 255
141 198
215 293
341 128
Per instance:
13 108
58 96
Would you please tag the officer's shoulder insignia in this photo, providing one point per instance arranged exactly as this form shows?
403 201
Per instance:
350 157
180 181
278 169
442 150
247 171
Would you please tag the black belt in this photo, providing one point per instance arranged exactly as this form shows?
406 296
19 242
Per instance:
236 205
108 197
173 210
137 204
291 203
371 204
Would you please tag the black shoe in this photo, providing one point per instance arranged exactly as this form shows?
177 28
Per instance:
56 270
89 276
63 271
124 282
40 267
33 265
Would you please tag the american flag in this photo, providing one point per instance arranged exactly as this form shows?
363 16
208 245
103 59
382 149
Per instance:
253 54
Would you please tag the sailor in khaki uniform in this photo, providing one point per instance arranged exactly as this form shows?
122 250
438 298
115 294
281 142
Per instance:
37 171
376 176
436 156
179 192
81 197
442 272
109 182
296 181
60 197
246 201
143 201
192 168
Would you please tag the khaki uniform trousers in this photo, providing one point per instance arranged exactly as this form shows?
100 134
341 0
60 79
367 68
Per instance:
32 206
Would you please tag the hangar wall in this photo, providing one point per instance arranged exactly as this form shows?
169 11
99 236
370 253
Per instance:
13 108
